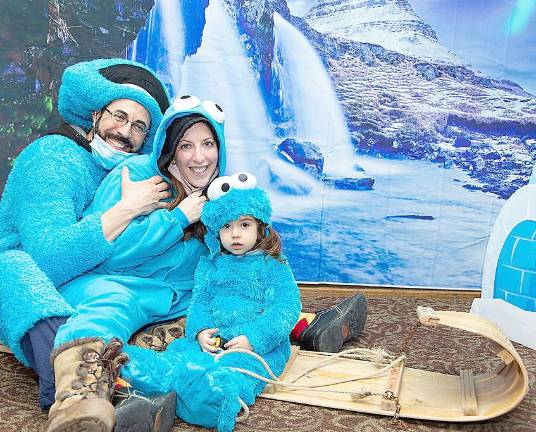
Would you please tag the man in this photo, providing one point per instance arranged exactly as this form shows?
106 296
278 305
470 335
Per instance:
112 109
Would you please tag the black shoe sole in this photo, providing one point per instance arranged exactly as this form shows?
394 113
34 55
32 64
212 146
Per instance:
140 415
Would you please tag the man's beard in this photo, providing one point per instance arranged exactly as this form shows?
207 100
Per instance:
127 143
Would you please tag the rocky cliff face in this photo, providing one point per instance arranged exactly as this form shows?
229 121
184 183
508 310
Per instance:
403 93
417 106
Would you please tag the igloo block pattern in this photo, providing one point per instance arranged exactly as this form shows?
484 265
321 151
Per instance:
515 278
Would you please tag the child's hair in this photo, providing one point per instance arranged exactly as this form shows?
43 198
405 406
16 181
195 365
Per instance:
231 197
271 243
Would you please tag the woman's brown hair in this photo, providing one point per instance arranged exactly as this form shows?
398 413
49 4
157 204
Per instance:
197 229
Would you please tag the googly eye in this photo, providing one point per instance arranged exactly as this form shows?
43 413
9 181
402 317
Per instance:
219 187
243 180
185 102
215 111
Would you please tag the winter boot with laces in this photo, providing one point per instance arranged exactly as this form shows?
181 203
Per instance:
85 371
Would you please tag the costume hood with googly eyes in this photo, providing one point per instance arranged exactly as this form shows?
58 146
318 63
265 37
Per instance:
229 198
90 86
192 107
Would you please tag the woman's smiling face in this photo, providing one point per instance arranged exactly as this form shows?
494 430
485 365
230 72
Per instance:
196 155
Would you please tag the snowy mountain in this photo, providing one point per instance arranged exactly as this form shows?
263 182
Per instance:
403 94
391 24
398 105
395 105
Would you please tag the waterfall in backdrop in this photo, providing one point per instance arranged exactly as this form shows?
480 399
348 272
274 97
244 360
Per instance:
221 71
421 224
160 44
173 32
308 100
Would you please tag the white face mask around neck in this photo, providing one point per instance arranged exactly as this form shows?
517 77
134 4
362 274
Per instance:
105 155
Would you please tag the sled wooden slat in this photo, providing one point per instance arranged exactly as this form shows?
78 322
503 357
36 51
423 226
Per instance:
422 394
271 388
468 393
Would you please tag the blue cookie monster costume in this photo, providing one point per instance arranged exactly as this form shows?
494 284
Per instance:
149 275
45 239
252 294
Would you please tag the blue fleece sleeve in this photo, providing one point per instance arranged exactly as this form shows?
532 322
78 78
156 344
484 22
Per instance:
52 183
26 296
198 316
146 236
282 309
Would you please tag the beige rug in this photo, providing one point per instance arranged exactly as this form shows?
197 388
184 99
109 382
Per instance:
389 321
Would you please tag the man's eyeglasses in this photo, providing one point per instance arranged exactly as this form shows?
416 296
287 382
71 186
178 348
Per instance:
122 118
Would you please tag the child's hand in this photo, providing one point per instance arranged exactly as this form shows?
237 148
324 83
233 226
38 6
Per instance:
206 341
238 342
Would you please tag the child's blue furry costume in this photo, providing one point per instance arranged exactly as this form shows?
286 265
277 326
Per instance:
149 275
45 240
253 295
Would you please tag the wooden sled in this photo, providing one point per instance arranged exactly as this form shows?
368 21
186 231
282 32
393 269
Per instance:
413 393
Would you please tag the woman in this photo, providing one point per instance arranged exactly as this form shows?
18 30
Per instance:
149 276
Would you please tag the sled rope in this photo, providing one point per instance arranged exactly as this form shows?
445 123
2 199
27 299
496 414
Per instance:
377 356
245 414
409 337
312 387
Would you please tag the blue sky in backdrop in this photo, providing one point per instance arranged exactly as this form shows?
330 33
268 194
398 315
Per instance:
498 37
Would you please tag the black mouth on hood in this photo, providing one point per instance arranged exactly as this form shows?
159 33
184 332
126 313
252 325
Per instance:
132 74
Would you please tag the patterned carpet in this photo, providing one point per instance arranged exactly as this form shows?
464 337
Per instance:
389 320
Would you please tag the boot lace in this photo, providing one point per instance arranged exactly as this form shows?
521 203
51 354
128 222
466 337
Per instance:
103 368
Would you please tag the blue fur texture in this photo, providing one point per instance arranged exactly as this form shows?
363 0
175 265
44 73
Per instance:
31 296
235 203
84 90
208 390
44 239
253 295
52 182
207 394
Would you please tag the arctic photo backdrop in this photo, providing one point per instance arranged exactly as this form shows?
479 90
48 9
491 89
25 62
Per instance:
389 133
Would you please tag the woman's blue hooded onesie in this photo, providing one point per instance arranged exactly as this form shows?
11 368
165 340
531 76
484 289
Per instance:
45 240
149 275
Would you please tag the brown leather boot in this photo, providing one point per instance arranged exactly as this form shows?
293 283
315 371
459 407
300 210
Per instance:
85 371
158 336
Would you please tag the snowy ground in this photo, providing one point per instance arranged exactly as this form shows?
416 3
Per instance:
419 226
